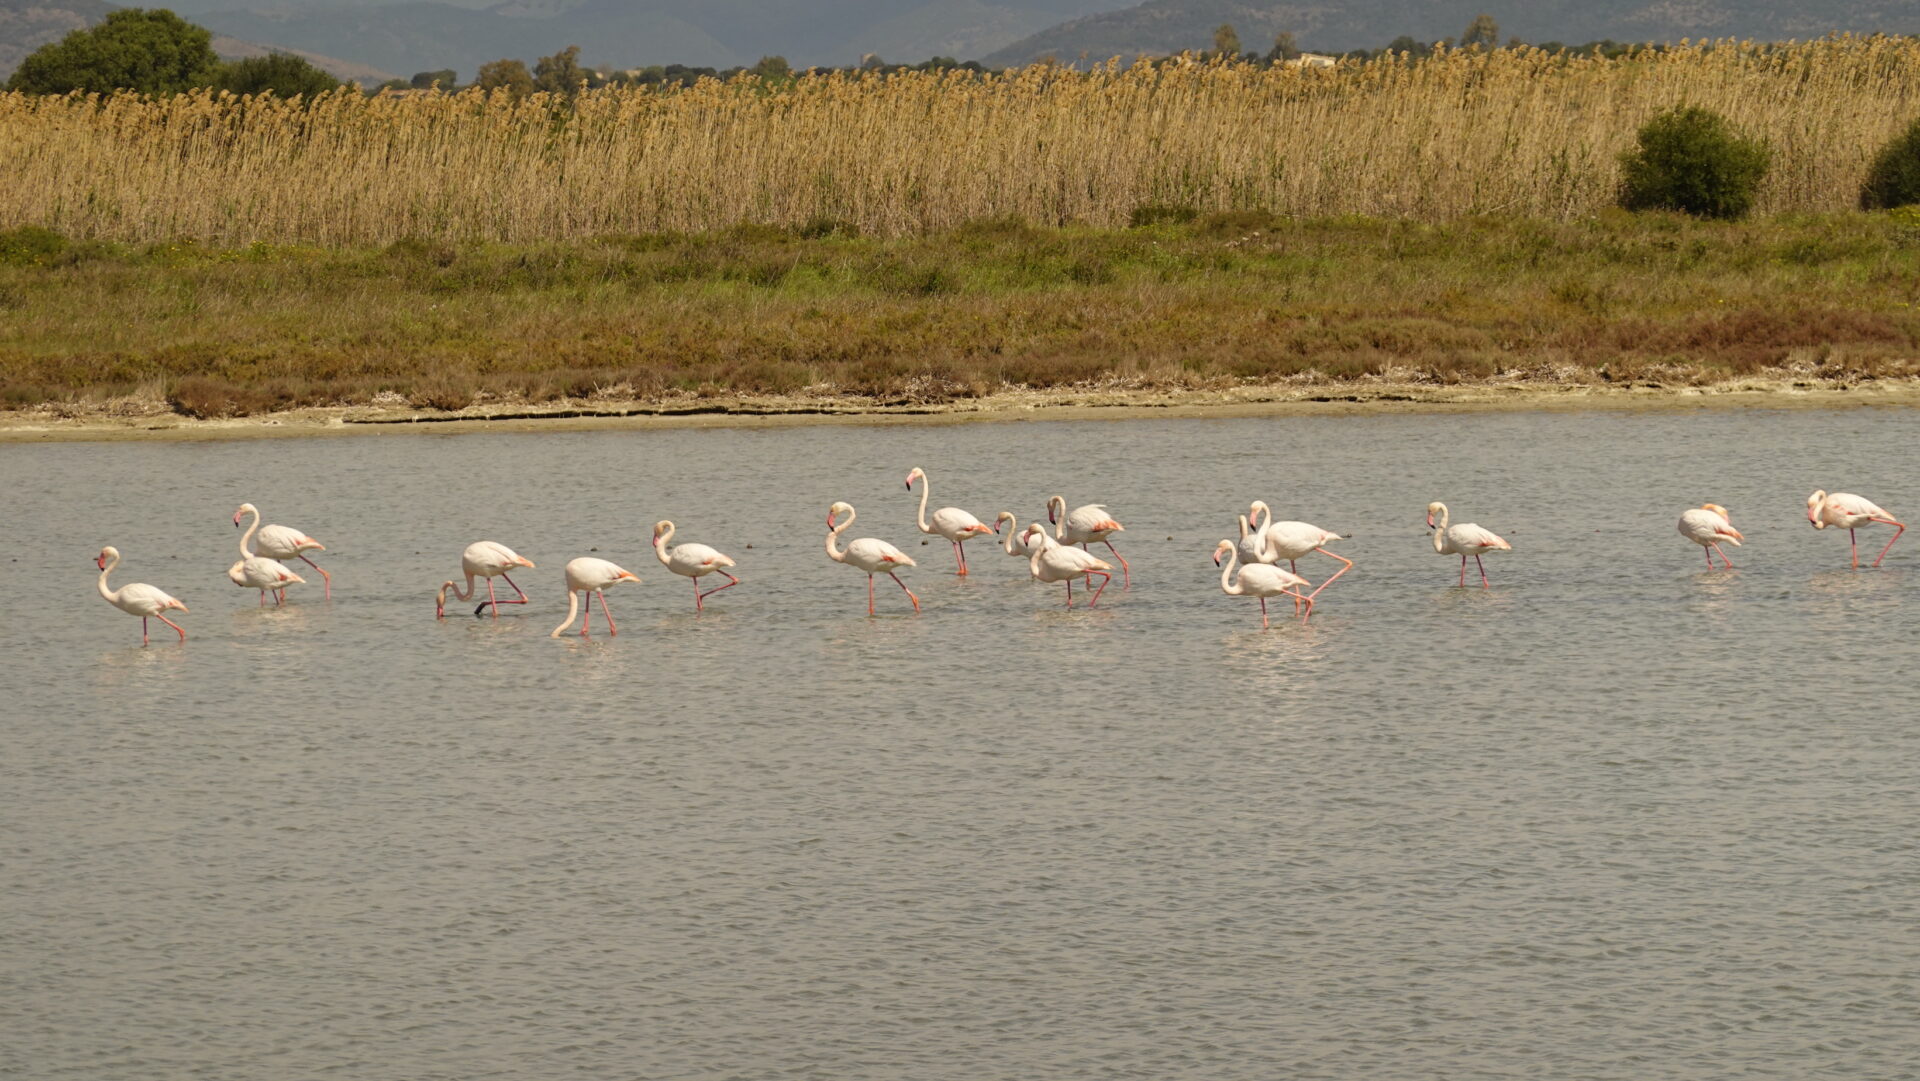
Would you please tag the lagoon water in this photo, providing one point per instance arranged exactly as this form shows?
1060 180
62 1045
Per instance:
1617 817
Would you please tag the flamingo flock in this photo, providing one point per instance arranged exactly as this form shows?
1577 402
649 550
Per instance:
1250 566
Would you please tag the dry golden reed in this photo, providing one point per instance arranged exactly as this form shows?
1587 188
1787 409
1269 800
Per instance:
1509 132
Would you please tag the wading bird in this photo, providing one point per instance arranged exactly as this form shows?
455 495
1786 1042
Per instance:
1707 525
1290 541
1463 540
281 542
1847 511
866 554
1052 561
591 576
1086 525
695 561
950 522
263 574
136 598
1260 580
1015 539
489 560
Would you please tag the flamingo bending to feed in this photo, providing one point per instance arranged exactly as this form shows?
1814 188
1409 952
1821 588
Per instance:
1260 580
489 560
1707 525
1052 561
1290 541
1463 540
263 574
1086 525
1015 542
591 576
281 542
695 561
136 598
866 554
950 522
1849 512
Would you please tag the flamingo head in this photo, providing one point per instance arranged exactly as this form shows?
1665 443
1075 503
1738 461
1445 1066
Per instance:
106 554
1052 517
245 509
1007 517
1257 508
660 529
913 475
1433 509
1220 550
1718 509
836 511
1035 531
1813 510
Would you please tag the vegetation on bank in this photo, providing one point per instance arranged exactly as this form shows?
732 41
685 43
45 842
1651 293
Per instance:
1509 133
1222 300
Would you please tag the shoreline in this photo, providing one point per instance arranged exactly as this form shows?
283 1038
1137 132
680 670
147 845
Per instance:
134 421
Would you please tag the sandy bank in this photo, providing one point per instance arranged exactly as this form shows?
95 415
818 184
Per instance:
127 419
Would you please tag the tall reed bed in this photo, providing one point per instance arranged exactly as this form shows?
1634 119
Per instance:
1512 132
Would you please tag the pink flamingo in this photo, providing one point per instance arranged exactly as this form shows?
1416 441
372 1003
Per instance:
695 561
136 598
591 576
1260 580
281 542
1292 540
1707 525
263 574
489 560
1052 561
866 554
1463 540
1084 526
1849 512
950 522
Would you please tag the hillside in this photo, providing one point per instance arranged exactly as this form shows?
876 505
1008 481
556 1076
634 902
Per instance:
1166 26
26 25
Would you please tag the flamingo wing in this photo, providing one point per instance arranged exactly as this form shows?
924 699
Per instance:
1470 537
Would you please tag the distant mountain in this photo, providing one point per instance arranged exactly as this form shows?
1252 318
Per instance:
1160 27
26 25
424 35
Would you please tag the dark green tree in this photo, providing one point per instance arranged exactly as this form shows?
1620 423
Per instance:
560 73
151 52
1284 48
444 79
509 75
1226 41
773 67
1693 160
1482 31
1894 177
284 74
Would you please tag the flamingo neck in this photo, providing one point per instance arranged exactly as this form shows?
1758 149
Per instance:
660 545
458 594
1260 516
1440 531
1243 527
1058 505
246 539
1013 526
109 594
573 609
833 540
1227 584
926 492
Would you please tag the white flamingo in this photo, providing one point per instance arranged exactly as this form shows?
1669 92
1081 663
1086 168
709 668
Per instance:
592 577
1707 525
136 598
1847 511
1053 561
866 554
263 574
1084 526
695 561
281 542
1260 580
1014 540
489 560
1463 540
1292 540
950 522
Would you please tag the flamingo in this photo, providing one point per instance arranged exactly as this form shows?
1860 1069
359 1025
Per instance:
1707 525
1849 512
1086 525
489 560
263 574
281 542
136 598
866 554
1290 541
591 576
1052 561
1260 580
1465 539
1015 542
696 561
950 522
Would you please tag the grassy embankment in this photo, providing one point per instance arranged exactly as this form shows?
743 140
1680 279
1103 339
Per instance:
1217 303
1443 219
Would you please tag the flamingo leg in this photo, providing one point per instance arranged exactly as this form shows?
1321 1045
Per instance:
263 599
1709 552
279 597
588 622
143 630
869 594
1723 557
1309 601
497 603
1338 573
902 585
1899 529
731 582
324 576
1104 579
1263 613
1463 569
608 612
1484 584
1126 574
163 619
1854 543
959 559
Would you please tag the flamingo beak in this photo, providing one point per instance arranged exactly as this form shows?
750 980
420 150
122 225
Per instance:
1216 559
1429 521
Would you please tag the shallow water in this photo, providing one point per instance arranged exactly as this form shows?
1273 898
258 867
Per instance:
1617 817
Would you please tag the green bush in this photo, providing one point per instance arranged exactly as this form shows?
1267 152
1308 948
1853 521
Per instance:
1694 161
1894 177
30 245
283 74
151 52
